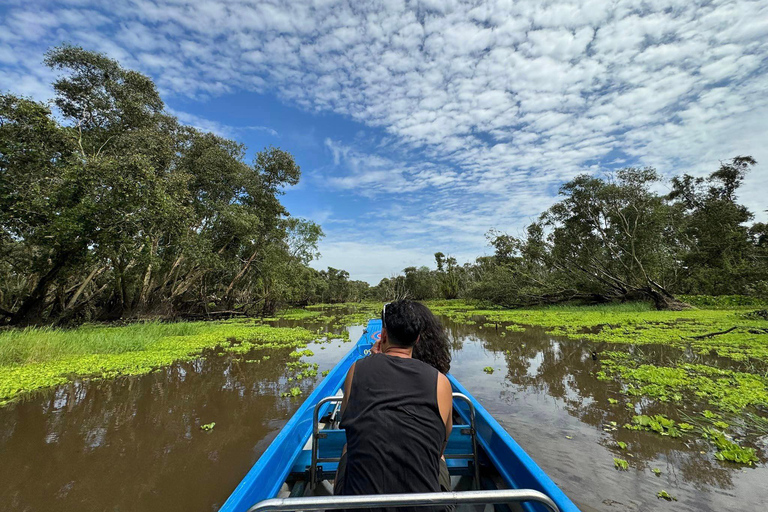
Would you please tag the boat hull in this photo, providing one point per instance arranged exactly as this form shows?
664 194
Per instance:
287 454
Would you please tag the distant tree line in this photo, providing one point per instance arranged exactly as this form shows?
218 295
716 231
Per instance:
110 208
615 239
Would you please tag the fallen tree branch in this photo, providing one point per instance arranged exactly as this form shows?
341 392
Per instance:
709 335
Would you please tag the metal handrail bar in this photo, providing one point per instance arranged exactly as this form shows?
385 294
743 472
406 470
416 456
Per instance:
473 435
314 503
315 432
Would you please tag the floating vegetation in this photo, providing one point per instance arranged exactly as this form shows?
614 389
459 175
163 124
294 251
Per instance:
727 390
208 426
293 392
300 353
656 471
728 450
612 401
665 495
620 464
622 445
488 370
634 323
658 423
325 373
33 359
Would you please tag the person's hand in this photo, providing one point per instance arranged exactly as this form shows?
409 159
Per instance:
376 348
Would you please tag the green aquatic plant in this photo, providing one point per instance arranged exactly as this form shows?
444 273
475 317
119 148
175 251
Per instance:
34 359
488 370
300 353
633 323
620 464
612 401
293 392
656 471
727 390
659 424
621 444
208 426
665 495
728 450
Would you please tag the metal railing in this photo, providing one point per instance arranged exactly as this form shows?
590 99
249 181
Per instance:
316 437
473 435
503 496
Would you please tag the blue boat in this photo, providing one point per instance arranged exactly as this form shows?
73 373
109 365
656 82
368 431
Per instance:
487 466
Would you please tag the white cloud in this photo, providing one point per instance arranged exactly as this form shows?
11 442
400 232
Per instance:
490 105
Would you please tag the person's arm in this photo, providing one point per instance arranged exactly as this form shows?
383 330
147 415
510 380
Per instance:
445 404
347 387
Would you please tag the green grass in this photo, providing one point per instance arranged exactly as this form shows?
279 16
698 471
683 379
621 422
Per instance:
36 358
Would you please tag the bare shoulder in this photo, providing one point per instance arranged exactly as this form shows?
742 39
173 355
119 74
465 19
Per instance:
350 373
444 390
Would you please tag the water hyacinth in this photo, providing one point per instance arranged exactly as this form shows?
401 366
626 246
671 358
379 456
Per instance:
33 359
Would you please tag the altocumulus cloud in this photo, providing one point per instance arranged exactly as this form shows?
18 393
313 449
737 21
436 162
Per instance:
490 105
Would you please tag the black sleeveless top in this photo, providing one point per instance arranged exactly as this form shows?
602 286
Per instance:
395 433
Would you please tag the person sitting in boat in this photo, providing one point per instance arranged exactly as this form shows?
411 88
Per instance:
432 347
397 414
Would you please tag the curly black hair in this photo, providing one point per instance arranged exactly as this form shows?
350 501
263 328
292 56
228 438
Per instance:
432 347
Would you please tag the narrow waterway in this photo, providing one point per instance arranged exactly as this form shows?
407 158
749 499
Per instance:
135 443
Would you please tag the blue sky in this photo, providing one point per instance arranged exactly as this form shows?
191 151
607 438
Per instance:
421 125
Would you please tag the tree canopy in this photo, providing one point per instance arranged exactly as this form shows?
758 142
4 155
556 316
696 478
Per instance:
615 238
117 209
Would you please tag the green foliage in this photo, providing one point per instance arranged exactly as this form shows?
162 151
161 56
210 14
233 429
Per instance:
208 426
293 392
728 450
120 210
621 444
656 471
658 423
620 464
724 301
665 495
488 370
37 358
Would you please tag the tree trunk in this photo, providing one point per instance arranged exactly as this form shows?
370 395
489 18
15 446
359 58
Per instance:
241 273
31 309
663 300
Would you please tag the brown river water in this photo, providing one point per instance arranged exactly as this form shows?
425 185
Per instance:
134 443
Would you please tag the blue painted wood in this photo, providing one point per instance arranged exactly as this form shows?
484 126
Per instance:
286 453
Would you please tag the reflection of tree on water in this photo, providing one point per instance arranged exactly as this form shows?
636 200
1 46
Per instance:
564 369
140 438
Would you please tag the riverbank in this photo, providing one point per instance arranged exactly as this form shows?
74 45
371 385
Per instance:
36 358
731 329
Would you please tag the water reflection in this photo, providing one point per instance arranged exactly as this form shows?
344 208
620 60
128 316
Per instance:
539 376
135 443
